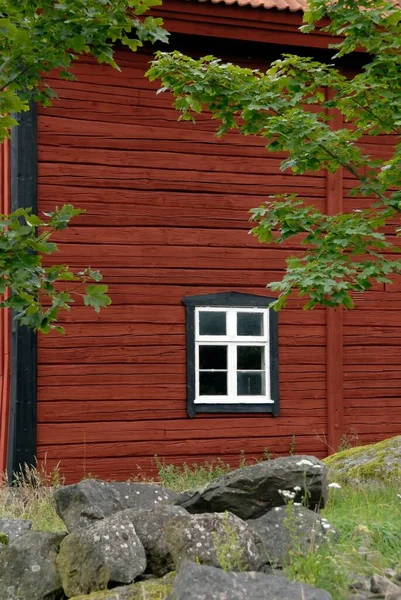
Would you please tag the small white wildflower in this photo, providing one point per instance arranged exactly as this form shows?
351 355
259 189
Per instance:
335 485
287 494
297 488
399 496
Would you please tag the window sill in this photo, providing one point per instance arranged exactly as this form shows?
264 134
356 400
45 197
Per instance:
268 407
233 401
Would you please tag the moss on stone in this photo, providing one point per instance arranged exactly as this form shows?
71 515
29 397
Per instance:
374 462
3 539
153 589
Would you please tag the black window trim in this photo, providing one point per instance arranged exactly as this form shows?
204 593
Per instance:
228 300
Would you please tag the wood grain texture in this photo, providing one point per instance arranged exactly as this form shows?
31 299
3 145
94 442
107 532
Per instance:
167 215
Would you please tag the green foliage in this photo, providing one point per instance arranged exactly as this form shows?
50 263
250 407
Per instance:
36 37
186 477
229 550
39 293
31 497
367 520
288 107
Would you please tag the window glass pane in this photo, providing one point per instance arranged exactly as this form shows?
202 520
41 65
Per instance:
213 357
212 323
250 357
250 384
249 323
212 384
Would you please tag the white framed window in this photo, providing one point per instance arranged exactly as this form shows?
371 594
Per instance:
232 354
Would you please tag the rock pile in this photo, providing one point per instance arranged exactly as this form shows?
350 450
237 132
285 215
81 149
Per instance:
128 541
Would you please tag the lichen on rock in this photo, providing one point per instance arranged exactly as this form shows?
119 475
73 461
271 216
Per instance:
372 463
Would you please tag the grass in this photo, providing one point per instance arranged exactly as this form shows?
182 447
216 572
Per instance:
187 477
368 521
31 498
367 518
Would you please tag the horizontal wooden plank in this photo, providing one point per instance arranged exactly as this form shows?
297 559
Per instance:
155 354
70 433
373 355
184 269
210 162
383 317
114 393
75 374
53 375
101 334
373 383
157 236
106 370
151 390
159 179
382 429
158 314
192 451
78 411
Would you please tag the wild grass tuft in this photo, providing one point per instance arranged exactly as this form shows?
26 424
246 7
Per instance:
367 519
187 477
31 497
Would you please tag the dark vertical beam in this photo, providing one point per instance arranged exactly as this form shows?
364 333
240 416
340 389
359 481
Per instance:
23 417
334 322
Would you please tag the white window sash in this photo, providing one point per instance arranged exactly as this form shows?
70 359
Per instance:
232 341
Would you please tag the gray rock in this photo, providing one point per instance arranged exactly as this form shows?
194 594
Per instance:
14 528
200 582
27 567
143 495
91 500
382 585
371 464
150 526
105 553
249 492
83 503
291 529
220 540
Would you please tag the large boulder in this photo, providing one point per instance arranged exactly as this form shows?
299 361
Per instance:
220 540
28 567
106 553
150 526
249 492
91 500
374 463
292 529
153 589
143 495
200 582
14 528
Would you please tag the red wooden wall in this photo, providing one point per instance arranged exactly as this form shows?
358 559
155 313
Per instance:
167 217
